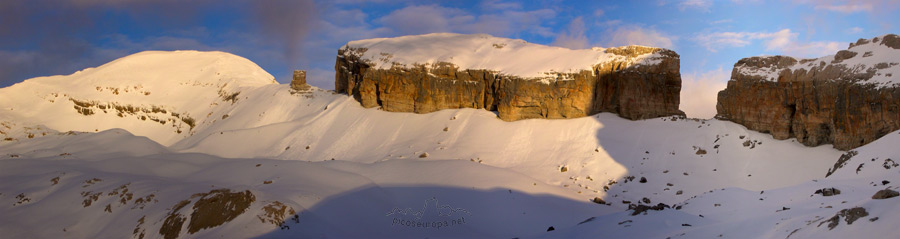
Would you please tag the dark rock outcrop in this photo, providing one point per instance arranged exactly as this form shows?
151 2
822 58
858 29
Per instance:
849 215
845 100
641 208
885 194
622 86
210 210
827 192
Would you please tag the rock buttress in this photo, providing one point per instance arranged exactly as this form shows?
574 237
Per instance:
633 91
830 100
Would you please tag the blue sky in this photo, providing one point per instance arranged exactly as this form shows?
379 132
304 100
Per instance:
39 38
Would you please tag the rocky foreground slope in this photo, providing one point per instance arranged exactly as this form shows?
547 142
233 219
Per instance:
848 99
278 162
519 80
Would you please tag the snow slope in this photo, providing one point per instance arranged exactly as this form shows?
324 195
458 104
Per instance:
350 172
152 93
481 51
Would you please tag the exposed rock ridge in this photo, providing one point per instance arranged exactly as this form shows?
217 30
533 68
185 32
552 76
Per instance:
848 99
637 82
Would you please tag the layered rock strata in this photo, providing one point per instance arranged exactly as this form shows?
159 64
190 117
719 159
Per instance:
519 80
298 82
848 99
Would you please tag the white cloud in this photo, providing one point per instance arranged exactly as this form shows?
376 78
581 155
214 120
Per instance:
574 37
432 18
599 12
854 30
611 23
499 5
782 41
779 39
633 35
848 8
718 40
721 21
424 19
702 5
814 49
699 92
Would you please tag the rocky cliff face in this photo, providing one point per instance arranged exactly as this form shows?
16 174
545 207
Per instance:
848 99
519 80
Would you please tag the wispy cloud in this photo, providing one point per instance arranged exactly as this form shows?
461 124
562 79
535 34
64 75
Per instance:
702 5
718 40
716 22
782 41
635 35
420 19
847 8
573 37
699 92
854 30
500 5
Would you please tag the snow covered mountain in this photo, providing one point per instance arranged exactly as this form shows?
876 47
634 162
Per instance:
211 147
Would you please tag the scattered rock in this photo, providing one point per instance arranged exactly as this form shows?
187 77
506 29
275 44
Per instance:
643 180
276 213
701 151
22 199
850 216
551 229
598 200
640 208
827 192
885 194
423 155
588 220
889 163
841 162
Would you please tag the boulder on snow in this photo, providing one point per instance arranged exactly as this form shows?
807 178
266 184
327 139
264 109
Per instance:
827 192
885 194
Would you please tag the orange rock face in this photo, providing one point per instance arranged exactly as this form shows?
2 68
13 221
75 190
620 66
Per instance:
637 91
817 101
